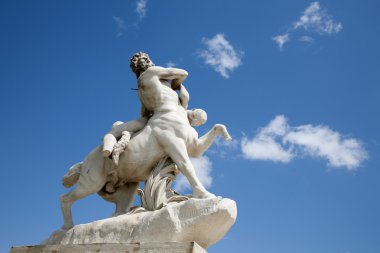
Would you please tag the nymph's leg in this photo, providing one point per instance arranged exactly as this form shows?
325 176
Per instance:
120 146
110 139
132 126
109 142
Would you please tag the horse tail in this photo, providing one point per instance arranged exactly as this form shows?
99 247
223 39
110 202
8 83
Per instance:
72 176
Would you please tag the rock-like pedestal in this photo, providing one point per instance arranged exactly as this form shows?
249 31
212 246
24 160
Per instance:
169 247
169 229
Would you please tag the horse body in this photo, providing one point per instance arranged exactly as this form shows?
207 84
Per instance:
146 147
141 154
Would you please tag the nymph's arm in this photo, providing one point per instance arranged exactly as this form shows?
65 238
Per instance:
130 126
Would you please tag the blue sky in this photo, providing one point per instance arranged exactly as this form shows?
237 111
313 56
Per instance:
297 84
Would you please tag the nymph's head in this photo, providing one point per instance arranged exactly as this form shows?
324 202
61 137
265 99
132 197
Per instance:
197 117
140 62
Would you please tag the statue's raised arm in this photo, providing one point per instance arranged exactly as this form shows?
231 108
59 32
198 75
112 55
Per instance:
175 75
140 63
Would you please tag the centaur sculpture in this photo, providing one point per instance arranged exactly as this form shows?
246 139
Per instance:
167 133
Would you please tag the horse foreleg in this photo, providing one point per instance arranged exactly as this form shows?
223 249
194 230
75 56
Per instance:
175 148
204 142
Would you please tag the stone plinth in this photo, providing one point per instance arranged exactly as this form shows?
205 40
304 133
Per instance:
204 221
168 247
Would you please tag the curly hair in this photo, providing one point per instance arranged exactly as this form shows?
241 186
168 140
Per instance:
140 62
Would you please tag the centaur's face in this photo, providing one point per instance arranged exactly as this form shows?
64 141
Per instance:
144 63
140 62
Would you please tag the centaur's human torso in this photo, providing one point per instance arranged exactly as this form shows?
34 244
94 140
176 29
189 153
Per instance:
169 117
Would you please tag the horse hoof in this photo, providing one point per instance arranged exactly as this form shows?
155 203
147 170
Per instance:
228 138
202 194
117 214
208 195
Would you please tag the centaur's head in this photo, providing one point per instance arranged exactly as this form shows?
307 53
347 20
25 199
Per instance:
140 62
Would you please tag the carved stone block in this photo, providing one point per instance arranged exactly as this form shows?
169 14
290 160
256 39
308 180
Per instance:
167 247
204 221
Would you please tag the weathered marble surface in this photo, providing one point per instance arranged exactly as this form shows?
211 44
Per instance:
153 149
204 221
165 128
168 247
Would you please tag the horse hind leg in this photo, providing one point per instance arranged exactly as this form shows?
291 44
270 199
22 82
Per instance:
84 188
67 201
124 197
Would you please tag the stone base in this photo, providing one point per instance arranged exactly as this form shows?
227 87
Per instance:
204 221
168 247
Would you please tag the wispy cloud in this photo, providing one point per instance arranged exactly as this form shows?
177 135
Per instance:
280 142
202 168
281 40
314 19
120 25
170 64
306 39
141 8
221 55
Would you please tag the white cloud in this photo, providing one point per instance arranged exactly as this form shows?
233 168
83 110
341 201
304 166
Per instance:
264 146
317 19
281 39
202 168
280 142
314 19
321 141
120 25
265 149
277 127
220 55
141 8
170 64
306 39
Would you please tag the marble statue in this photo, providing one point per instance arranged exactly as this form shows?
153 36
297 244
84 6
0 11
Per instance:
154 149
164 130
